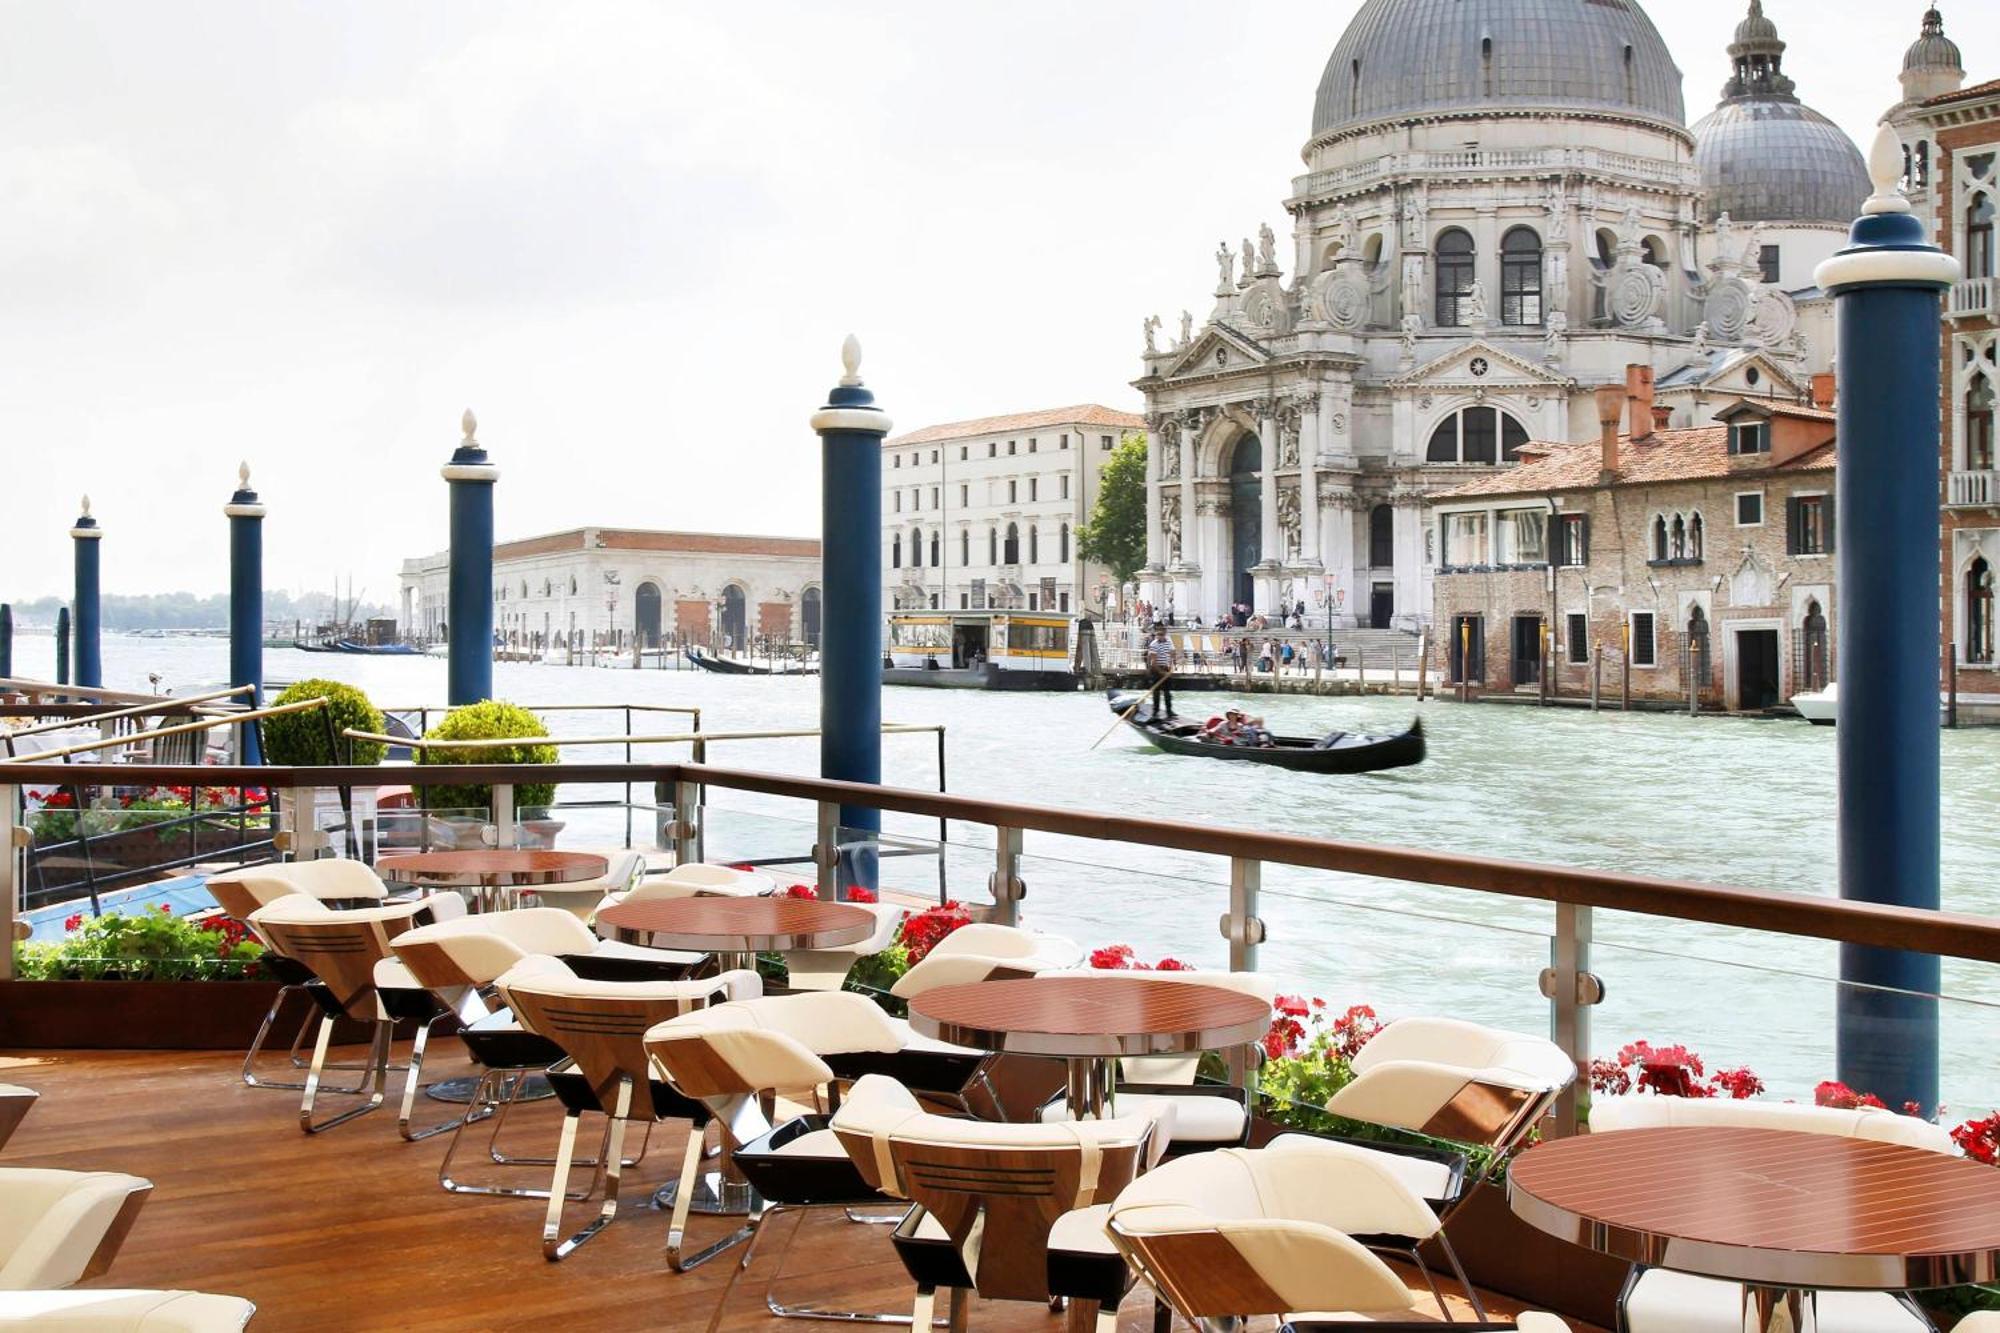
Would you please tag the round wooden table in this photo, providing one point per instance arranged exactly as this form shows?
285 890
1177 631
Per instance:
1090 1022
1783 1213
495 875
736 930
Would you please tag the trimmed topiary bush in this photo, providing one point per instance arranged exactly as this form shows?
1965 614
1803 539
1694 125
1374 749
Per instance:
495 719
302 737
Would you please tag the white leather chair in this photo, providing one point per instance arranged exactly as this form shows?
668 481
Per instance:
984 951
696 879
601 1027
623 869
987 1194
104 1311
61 1227
1462 1082
241 892
1242 1232
1660 1300
348 952
827 969
1208 1117
736 1059
15 1103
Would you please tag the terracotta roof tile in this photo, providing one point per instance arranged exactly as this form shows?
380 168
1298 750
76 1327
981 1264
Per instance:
1693 454
1086 414
1965 94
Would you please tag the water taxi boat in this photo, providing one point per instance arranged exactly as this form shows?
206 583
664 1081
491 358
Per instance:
1819 707
1335 752
980 650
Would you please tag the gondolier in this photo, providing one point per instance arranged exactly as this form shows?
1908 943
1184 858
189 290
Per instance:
1160 668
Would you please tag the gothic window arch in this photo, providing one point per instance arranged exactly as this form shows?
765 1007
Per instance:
1677 548
1521 277
1979 611
1816 660
1454 259
1011 549
1694 537
1979 425
1477 434
1660 537
1979 217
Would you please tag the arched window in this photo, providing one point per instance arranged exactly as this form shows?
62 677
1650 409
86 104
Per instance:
1034 545
1454 277
1382 536
1011 551
1979 425
1472 434
916 548
934 549
1817 662
1680 538
992 546
1605 256
1521 277
1694 537
1653 252
965 546
896 551
1979 611
1062 553
1659 537
1697 628
1979 237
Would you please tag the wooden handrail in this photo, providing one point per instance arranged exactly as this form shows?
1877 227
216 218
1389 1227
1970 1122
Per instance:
224 720
421 743
136 710
1947 934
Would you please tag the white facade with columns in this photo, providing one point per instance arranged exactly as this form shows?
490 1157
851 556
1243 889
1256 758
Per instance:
1465 269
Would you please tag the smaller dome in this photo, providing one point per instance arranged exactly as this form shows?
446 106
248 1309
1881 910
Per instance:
1755 27
1932 49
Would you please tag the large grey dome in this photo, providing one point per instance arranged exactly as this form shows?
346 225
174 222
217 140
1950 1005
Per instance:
1763 155
1405 57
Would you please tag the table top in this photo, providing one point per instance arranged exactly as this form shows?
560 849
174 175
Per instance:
742 925
518 866
1767 1206
1081 1017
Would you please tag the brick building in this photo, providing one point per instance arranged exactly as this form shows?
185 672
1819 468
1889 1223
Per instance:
1951 138
1701 555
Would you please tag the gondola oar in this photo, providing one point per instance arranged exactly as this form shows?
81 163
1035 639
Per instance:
1133 709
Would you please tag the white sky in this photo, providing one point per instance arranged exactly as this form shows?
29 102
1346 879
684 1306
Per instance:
630 236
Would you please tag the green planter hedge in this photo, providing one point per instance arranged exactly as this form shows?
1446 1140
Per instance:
489 719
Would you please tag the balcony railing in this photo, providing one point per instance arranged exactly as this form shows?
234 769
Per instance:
1971 490
1553 962
1971 299
1490 161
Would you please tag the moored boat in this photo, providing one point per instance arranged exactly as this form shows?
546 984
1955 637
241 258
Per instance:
1819 707
980 650
1335 752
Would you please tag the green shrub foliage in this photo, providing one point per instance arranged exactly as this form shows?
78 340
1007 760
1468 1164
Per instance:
302 737
490 718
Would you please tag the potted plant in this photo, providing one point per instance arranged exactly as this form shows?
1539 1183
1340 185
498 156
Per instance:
315 737
492 719
143 981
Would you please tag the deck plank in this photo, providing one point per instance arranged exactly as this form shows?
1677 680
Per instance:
348 1230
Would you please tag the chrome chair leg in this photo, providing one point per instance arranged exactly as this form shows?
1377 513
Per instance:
473 1111
691 1161
250 1078
1465 1283
552 1249
483 1095
377 1074
783 1311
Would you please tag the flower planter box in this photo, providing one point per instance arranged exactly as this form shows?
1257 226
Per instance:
111 854
149 1016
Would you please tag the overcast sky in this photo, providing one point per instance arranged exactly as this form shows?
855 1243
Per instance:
630 237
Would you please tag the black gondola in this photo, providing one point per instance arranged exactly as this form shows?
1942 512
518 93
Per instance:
725 666
1336 752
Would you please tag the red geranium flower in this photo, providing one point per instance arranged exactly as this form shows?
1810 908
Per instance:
72 921
802 891
857 894
1980 1139
1112 958
922 931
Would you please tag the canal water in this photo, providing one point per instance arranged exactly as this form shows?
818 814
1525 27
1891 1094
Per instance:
1723 800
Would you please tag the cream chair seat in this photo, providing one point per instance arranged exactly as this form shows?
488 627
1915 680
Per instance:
103 1311
601 1028
737 1058
623 869
61 1227
1204 1118
827 969
15 1103
696 879
988 1195
1238 1233
984 951
1660 1300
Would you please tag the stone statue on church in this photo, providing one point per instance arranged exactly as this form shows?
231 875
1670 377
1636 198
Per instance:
1267 249
1558 212
1288 521
1225 263
1476 313
1152 326
1725 236
1170 526
1343 231
1249 263
1187 328
1413 324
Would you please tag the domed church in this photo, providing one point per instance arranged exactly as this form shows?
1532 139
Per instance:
1503 206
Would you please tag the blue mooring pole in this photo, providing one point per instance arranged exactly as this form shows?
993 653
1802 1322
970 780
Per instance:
89 664
469 606
246 603
6 641
62 645
1886 285
851 429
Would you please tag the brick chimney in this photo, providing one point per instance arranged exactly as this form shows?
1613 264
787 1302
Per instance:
1639 401
1610 413
1663 416
1822 391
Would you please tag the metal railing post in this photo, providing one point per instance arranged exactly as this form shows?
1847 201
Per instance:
14 840
826 850
1006 885
1571 990
1241 926
506 831
687 823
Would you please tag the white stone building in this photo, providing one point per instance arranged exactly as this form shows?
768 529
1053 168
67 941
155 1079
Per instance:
602 587
982 515
1503 207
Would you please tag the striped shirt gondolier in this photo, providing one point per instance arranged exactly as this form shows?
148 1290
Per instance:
1160 655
